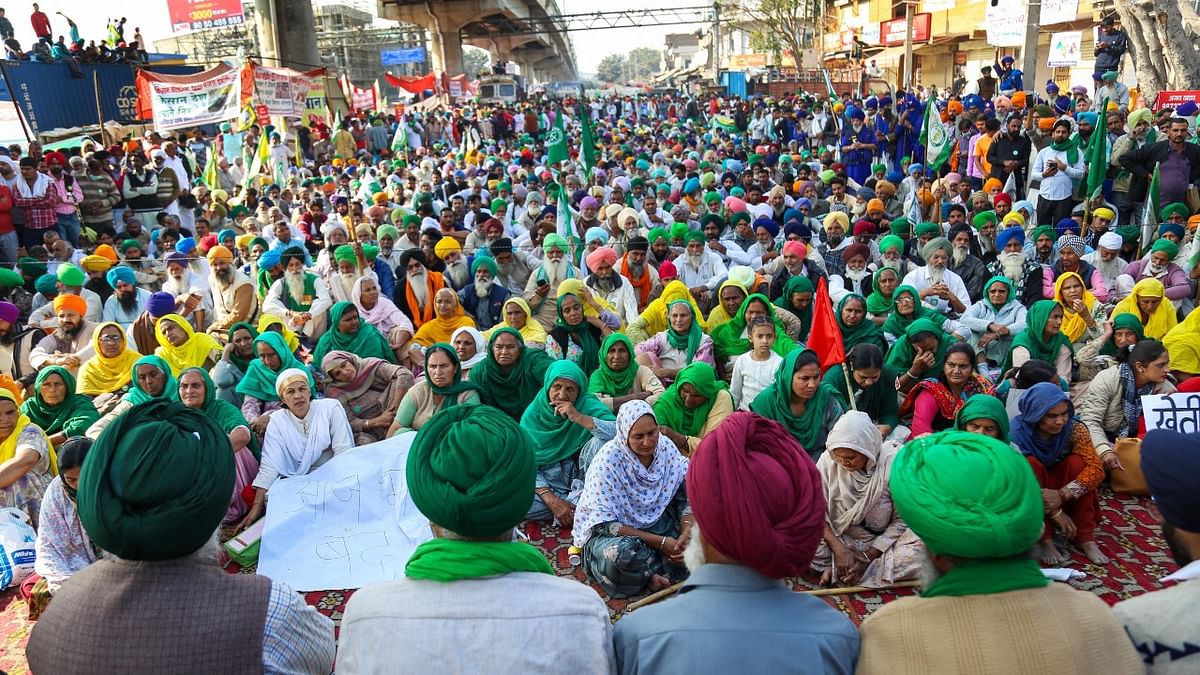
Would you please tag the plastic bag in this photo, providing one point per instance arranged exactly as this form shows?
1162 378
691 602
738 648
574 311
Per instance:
18 542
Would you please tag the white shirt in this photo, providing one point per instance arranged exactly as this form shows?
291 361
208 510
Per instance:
750 377
919 279
710 272
1060 185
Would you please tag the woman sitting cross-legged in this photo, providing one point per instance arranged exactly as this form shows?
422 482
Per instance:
568 425
865 542
257 388
683 342
63 547
511 374
370 390
1059 450
693 406
27 459
800 402
619 378
349 333
994 320
934 402
56 408
633 521
301 436
441 387
197 391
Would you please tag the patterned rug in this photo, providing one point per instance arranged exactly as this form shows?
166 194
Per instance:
1128 533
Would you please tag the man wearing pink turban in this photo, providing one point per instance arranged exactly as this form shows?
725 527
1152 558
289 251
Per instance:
608 284
759 514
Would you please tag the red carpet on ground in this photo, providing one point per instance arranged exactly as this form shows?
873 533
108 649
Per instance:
1128 533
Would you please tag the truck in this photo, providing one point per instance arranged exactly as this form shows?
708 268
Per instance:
505 89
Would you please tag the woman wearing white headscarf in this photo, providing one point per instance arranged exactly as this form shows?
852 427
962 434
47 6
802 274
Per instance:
470 346
633 520
301 436
865 542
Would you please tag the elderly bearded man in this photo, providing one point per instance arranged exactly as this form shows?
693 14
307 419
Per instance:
700 268
606 283
473 599
641 275
541 290
940 288
1106 260
415 291
300 297
484 300
1012 263
152 493
985 607
127 301
232 293
760 512
963 262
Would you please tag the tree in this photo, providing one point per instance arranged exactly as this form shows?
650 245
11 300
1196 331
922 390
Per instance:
475 61
782 25
1162 35
611 68
643 63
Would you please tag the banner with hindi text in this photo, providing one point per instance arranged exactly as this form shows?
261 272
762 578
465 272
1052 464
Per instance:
177 101
282 91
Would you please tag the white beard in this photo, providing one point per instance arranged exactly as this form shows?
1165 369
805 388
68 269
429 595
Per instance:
959 256
175 287
347 280
1156 270
459 273
693 552
295 284
420 289
857 275
1109 269
695 260
936 274
555 271
483 288
1012 264
892 264
987 245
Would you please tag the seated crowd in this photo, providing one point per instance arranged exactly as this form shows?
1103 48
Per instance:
659 373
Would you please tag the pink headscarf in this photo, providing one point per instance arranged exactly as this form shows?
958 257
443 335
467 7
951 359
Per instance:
757 495
385 315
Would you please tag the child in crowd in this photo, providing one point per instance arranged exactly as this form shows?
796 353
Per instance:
755 370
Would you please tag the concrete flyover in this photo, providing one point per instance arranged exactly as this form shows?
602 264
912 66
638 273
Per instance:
489 24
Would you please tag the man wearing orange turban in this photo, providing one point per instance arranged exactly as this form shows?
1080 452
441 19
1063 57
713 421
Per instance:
73 335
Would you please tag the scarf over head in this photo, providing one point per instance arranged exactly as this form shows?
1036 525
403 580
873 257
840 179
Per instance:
238 361
1033 337
877 303
385 315
687 342
259 380
970 496
477 338
983 407
72 416
583 333
138 395
1000 279
901 355
619 488
728 341
267 321
655 314
192 353
156 483
798 283
367 341
441 328
605 380
865 332
775 402
225 414
757 496
850 496
511 391
671 411
532 332
555 437
896 323
471 470
1131 322
101 374
1182 341
1035 403
1073 324
1163 319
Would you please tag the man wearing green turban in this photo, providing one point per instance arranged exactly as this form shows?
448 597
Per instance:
152 492
976 505
1175 212
471 470
982 218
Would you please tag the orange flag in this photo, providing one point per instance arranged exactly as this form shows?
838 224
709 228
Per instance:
825 337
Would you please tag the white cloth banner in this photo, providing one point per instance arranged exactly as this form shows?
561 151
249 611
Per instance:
1005 23
1064 49
1059 11
187 105
283 91
349 523
1173 412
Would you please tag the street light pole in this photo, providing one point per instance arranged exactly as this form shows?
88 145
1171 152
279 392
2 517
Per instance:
908 35
1029 55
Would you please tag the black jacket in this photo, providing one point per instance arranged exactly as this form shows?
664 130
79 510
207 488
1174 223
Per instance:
1142 162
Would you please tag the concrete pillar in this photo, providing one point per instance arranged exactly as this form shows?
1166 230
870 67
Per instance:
447 50
287 34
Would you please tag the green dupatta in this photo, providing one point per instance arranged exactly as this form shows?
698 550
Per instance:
1033 337
605 380
865 332
555 437
72 416
729 343
510 391
137 395
224 413
448 393
902 353
449 560
877 304
775 402
367 342
669 408
690 341
897 325
798 283
259 380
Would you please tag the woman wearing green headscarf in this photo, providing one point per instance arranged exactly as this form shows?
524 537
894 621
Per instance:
576 336
567 425
1123 330
681 343
56 408
258 386
881 301
983 415
730 339
693 406
872 385
920 354
857 329
907 308
150 380
1043 340
197 391
441 387
797 298
994 320
801 402
620 378
235 361
349 333
511 374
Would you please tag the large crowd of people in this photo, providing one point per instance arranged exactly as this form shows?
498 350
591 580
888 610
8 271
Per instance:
632 341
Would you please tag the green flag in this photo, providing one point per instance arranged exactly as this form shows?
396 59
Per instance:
556 141
563 213
261 155
1097 154
210 172
938 139
400 138
588 140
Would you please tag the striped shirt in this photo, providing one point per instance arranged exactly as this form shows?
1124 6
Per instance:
296 637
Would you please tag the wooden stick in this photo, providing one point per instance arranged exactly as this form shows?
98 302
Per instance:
818 592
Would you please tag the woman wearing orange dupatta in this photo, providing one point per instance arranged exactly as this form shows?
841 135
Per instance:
449 317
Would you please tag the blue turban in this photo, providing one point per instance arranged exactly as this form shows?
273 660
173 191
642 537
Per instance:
185 245
803 202
1008 234
1062 104
691 185
767 224
226 234
1171 228
866 193
871 103
856 114
895 177
790 214
595 234
269 259
120 274
916 167
885 101
1051 87
972 101
1187 109
1065 225
1089 117
160 304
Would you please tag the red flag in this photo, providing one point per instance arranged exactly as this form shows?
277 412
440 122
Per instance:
825 338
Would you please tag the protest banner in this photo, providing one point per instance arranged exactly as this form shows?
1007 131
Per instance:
177 101
1173 412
